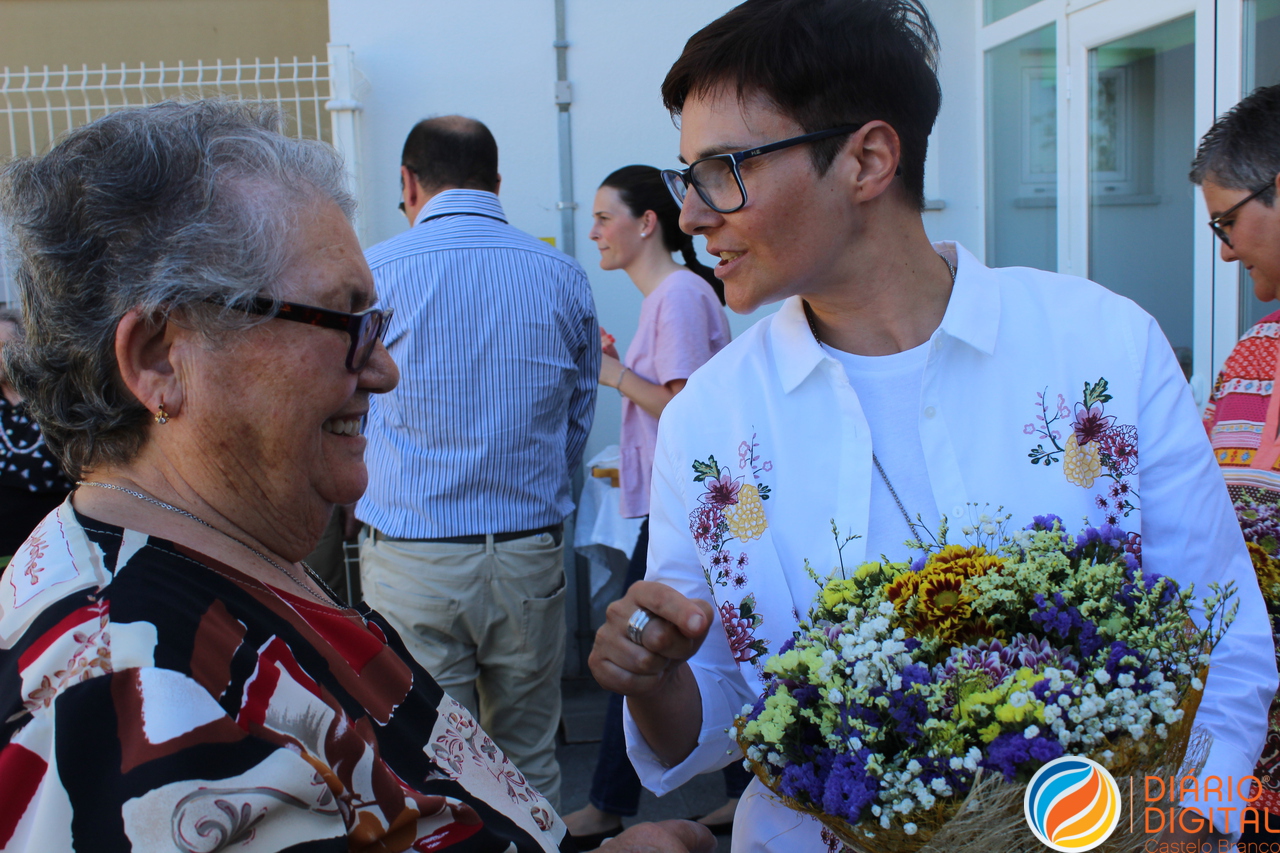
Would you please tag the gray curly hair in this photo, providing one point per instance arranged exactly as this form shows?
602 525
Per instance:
158 208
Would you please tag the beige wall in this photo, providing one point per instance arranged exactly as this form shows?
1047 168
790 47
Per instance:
53 32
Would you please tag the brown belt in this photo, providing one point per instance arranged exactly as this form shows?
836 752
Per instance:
556 530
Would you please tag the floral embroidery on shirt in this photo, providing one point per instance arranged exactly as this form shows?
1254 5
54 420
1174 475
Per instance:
740 624
731 509
1096 448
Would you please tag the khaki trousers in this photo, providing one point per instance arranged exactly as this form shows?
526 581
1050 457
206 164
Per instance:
487 621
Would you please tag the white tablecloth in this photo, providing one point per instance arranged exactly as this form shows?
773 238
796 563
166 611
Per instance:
602 536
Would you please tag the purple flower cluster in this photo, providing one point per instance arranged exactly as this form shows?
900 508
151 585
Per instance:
1103 544
1115 666
1065 622
838 784
1045 522
1013 752
849 787
1139 581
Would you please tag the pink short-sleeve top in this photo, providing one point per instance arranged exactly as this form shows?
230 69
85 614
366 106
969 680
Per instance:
682 324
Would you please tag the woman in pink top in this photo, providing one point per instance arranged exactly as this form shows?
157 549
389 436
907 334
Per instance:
682 324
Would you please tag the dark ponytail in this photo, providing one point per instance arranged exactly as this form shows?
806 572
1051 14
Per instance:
641 188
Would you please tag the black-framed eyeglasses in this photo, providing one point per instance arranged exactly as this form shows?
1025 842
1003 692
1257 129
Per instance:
1216 223
366 328
717 179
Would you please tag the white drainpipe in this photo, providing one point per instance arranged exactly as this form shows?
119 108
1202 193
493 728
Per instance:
564 97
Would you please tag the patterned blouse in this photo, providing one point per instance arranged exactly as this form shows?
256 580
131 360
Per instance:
1243 419
1240 410
152 698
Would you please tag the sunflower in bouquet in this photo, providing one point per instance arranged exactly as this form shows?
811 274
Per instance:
912 689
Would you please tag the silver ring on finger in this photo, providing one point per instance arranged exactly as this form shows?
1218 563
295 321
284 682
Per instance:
636 625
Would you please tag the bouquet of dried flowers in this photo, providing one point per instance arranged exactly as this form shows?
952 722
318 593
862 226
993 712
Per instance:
914 689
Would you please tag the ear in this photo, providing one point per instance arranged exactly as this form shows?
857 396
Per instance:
649 222
497 185
143 354
871 158
411 191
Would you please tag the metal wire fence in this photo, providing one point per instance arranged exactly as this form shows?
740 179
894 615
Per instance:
36 107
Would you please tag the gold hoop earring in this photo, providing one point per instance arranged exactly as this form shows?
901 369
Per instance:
162 417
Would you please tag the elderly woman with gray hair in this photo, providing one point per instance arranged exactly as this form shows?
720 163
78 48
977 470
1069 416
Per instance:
203 341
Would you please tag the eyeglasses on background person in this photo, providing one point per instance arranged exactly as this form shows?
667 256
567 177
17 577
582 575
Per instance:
717 179
366 328
1218 224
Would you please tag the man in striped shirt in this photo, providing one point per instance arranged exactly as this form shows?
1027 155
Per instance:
470 458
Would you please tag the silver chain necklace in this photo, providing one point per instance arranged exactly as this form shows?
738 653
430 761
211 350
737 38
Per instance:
157 502
813 327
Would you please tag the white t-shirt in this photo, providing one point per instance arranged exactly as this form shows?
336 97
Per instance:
888 387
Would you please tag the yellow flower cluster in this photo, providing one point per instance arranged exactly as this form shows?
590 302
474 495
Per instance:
937 600
1011 705
861 590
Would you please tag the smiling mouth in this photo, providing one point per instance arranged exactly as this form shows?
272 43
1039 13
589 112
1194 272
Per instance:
344 426
730 256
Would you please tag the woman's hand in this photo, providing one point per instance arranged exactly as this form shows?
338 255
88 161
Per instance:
662 694
610 370
607 342
677 626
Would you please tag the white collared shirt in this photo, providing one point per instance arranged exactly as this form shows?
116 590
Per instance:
1005 371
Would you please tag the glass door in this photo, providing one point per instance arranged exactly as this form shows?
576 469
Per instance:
1133 123
1022 151
1260 66
1141 128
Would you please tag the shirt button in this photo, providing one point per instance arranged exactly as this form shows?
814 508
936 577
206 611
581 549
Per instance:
930 411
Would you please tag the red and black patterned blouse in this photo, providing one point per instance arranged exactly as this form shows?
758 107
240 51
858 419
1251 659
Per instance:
154 699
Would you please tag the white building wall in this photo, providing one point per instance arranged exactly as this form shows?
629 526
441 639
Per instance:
493 60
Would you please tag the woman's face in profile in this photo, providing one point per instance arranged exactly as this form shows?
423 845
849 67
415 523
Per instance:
615 231
1254 230
277 413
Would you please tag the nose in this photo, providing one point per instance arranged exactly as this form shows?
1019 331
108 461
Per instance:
594 233
695 216
1228 253
380 374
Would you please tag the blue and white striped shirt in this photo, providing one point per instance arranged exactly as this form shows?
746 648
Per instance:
496 339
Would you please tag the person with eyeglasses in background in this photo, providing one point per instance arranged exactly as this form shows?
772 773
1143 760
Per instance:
899 382
1237 167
